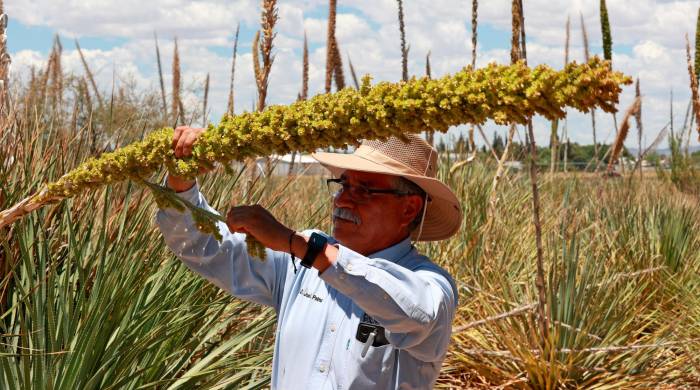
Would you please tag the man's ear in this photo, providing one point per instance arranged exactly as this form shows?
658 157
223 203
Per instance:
412 207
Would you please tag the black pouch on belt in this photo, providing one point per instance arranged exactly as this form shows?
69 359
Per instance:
366 327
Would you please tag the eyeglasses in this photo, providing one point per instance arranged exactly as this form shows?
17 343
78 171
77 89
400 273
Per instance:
358 193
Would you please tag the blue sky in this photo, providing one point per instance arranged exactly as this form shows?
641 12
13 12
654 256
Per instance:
117 38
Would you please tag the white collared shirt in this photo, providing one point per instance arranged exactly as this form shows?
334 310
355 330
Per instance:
413 299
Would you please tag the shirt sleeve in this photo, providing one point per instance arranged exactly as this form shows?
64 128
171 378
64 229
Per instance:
416 307
227 263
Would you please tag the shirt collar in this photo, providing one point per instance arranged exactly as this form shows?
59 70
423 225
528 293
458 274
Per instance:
395 252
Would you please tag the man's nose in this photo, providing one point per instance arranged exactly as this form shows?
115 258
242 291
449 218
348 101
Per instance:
343 199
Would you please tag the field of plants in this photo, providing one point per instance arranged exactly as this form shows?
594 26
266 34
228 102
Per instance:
567 280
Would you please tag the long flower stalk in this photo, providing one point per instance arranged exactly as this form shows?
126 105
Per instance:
4 63
330 45
474 23
404 48
619 143
176 109
586 55
695 96
160 76
697 46
503 93
230 103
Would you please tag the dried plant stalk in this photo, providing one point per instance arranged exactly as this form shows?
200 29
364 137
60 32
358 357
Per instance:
693 86
305 71
619 143
338 67
472 144
206 98
475 6
586 55
56 75
160 77
303 95
354 75
515 52
429 134
404 49
262 70
330 41
257 68
605 31
427 65
4 64
554 135
89 74
584 34
176 102
230 103
697 46
540 284
500 170
638 120
554 145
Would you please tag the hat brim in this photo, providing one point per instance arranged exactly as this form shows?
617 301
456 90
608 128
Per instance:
443 216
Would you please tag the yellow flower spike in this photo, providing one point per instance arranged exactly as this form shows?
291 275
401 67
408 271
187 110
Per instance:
504 93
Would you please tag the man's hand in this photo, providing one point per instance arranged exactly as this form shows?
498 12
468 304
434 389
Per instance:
259 223
184 138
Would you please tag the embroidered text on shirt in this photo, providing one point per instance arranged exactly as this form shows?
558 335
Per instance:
307 294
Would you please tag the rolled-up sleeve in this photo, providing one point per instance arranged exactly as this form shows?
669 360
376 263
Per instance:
416 307
225 263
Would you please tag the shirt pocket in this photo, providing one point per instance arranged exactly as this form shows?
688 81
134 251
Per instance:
374 370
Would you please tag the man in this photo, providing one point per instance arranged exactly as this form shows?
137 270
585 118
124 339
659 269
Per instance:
360 309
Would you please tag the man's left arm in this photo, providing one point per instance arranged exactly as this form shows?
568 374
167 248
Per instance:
415 307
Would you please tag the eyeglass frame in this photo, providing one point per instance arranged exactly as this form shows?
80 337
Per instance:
370 191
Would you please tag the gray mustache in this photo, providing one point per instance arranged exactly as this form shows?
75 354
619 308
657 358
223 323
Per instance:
346 214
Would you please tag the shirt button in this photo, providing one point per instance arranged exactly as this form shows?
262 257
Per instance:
332 327
349 267
322 368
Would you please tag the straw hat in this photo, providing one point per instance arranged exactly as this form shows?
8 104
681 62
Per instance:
415 161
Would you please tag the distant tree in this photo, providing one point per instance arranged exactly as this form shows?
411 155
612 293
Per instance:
441 147
497 144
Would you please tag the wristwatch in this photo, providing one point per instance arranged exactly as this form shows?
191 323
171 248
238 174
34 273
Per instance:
316 244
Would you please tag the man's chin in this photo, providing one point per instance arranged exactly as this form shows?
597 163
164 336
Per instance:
344 230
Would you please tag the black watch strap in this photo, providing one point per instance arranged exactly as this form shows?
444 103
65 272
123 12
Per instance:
316 244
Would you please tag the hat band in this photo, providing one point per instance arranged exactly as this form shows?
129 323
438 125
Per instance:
376 156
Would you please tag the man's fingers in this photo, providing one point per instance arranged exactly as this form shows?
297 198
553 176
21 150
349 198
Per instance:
184 145
234 221
177 133
190 138
179 147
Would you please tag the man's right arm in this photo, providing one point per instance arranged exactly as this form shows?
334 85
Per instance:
226 263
